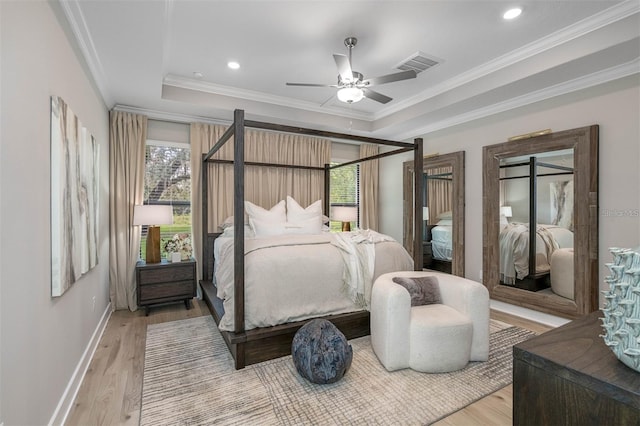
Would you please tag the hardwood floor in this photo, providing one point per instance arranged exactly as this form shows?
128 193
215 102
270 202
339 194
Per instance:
111 390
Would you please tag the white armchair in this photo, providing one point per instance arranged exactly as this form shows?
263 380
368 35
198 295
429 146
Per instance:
431 338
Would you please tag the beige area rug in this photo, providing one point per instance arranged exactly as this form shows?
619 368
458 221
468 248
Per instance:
189 379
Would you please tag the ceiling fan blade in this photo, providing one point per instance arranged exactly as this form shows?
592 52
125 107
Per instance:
390 78
311 85
344 67
378 97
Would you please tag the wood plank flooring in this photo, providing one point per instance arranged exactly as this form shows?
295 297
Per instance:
111 390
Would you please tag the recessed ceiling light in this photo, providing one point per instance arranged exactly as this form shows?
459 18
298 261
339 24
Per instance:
198 74
233 65
512 13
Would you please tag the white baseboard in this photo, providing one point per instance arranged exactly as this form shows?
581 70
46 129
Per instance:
59 416
540 317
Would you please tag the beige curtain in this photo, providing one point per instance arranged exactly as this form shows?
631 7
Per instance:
127 136
439 193
369 188
264 186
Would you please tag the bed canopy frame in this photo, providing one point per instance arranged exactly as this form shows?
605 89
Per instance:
261 344
534 281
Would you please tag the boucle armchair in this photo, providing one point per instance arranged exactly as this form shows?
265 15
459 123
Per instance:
432 338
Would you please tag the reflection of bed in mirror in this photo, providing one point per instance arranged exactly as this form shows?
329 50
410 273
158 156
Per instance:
536 189
514 254
441 236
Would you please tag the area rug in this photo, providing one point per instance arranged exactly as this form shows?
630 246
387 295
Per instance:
189 379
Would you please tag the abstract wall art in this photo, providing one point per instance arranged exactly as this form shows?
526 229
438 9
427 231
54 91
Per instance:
74 198
561 194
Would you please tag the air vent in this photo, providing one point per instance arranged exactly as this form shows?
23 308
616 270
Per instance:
418 62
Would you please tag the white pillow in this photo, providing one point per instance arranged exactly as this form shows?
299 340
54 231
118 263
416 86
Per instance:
444 222
310 226
445 215
277 213
296 213
266 228
229 222
248 232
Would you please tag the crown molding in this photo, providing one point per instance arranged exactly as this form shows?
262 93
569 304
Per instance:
580 83
576 30
252 95
78 25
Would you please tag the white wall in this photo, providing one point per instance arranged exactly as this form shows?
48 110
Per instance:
615 106
42 339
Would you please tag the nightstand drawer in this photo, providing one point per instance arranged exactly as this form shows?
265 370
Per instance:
160 275
153 292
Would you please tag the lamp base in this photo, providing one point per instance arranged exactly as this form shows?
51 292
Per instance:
153 245
346 226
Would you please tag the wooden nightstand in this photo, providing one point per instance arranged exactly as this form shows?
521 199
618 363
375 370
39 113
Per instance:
165 282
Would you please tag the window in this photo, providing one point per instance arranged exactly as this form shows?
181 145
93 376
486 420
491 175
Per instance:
167 181
344 190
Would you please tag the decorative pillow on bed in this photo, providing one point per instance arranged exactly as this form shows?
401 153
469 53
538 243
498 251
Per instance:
266 228
296 213
423 290
228 222
277 213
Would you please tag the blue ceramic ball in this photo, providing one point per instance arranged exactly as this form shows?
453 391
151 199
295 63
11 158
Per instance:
320 352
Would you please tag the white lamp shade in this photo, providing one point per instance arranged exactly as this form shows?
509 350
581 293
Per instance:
152 215
506 211
425 213
350 94
344 213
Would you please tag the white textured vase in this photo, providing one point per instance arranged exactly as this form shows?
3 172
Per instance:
621 320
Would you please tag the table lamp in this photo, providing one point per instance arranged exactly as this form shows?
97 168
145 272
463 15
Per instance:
425 217
346 215
153 216
506 211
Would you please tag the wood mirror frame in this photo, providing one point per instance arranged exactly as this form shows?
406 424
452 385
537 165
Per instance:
455 160
584 142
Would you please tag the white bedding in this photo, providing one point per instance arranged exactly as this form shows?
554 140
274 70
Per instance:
442 242
514 249
296 277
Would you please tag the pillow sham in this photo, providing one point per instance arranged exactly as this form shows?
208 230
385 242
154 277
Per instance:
277 213
445 215
296 213
444 222
266 228
423 290
228 222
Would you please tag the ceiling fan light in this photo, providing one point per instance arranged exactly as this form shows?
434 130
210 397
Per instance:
350 94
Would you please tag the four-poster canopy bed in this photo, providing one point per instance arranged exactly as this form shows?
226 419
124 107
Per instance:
252 345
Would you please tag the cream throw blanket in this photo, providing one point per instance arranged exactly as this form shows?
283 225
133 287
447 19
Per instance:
358 252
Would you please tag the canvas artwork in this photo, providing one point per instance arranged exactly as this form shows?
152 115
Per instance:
561 193
74 198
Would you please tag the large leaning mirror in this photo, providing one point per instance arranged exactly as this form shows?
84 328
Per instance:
549 184
443 212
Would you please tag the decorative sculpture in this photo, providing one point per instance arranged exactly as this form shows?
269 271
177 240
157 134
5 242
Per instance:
621 320
320 352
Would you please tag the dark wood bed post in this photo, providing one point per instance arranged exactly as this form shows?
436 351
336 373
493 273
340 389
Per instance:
327 190
417 204
533 212
204 185
238 222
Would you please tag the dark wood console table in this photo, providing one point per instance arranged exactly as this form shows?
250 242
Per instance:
568 376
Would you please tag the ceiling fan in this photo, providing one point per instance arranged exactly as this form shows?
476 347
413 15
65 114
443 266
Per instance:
352 85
